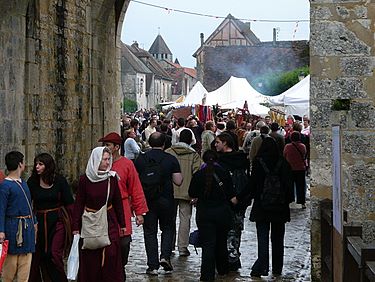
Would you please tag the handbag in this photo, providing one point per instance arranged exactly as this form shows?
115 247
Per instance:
95 227
194 240
73 259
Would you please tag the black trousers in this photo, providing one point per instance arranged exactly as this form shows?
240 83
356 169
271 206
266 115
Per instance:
125 249
299 179
261 265
161 211
213 225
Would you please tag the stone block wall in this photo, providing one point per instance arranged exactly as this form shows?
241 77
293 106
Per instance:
59 78
341 64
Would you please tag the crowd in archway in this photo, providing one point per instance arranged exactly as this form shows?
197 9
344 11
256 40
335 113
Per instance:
158 170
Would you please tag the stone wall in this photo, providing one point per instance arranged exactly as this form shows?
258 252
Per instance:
59 78
342 63
219 63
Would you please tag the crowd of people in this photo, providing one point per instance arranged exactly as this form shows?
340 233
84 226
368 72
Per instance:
158 170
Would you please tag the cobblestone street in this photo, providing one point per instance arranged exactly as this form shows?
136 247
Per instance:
296 256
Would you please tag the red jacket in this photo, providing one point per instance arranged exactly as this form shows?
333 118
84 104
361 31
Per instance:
133 198
294 157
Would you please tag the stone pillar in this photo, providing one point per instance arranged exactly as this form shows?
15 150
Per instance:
12 74
342 92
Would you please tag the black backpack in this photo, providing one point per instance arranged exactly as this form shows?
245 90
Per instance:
273 197
152 178
241 182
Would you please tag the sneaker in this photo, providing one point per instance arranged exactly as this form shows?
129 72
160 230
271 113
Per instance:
151 271
166 264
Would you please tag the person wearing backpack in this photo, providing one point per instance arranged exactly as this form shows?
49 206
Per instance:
212 187
237 164
190 162
158 171
271 187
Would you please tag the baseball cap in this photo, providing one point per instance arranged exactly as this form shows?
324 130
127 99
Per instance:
112 137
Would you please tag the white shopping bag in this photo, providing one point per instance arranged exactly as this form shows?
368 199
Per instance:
73 259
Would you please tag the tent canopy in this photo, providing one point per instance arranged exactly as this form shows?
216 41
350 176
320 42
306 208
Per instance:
296 99
194 97
235 89
254 109
196 94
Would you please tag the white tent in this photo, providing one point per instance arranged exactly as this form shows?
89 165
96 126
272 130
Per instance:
296 100
194 97
196 94
254 109
235 90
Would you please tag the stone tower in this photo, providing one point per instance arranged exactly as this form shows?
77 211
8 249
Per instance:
160 51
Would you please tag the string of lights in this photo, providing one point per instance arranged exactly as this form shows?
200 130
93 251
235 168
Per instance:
217 17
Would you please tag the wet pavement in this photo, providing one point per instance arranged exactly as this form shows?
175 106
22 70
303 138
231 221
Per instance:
296 254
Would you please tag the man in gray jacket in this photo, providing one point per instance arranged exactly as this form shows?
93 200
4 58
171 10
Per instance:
190 162
208 136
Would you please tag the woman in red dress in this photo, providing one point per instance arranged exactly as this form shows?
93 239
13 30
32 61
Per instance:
102 264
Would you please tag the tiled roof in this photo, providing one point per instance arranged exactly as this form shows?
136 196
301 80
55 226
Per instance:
132 60
159 46
245 29
188 71
191 72
149 61
242 27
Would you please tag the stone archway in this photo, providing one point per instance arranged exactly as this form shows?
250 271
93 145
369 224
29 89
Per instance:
60 77
59 80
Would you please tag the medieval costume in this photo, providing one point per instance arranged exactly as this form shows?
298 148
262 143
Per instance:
102 264
48 204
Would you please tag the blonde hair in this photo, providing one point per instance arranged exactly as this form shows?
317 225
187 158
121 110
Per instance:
127 132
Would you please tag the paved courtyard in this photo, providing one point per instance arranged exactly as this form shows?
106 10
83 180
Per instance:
296 255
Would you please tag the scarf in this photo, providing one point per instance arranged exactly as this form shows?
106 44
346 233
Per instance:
92 169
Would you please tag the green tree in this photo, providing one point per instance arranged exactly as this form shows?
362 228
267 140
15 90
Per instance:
129 106
276 83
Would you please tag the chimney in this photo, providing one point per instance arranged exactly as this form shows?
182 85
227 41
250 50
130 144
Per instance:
248 25
274 37
202 39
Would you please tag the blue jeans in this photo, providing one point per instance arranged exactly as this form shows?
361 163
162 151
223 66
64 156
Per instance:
261 265
161 211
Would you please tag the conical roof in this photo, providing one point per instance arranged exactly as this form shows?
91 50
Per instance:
159 46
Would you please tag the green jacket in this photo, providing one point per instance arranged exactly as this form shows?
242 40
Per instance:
190 162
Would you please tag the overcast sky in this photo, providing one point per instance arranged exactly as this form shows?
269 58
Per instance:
181 31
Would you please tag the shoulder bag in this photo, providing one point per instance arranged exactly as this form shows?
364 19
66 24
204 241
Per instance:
95 227
302 156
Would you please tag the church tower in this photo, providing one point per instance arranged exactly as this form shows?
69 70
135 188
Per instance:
160 51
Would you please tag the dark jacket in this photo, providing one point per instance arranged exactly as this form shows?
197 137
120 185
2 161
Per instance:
237 161
256 189
214 204
234 160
